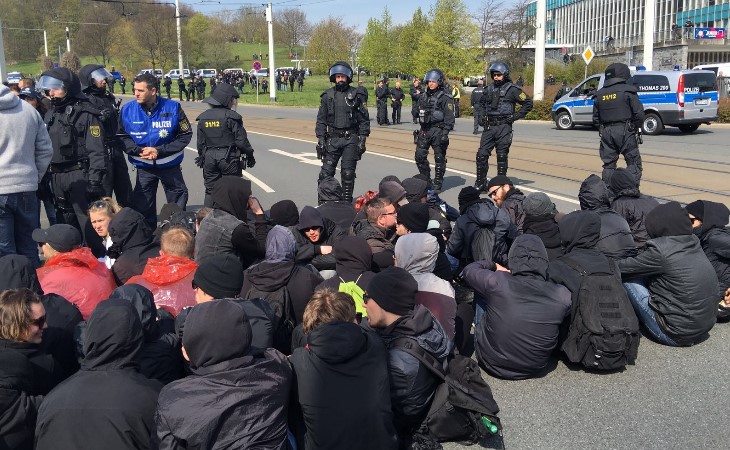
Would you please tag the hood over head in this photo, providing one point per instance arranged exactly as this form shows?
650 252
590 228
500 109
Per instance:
310 217
417 252
712 214
284 213
280 245
528 256
353 256
329 190
216 332
231 194
579 229
668 219
128 229
622 181
617 73
8 100
144 303
416 189
223 94
113 336
593 193
337 342
16 272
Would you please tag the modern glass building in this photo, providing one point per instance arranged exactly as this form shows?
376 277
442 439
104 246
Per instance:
589 22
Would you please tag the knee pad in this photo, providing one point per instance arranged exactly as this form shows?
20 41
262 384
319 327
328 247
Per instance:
348 175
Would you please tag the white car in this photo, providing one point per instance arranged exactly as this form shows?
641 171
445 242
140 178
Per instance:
157 72
207 73
14 77
174 74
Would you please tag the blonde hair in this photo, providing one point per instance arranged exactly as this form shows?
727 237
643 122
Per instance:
16 314
177 241
327 306
107 205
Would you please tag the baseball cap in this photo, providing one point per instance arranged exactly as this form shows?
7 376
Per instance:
29 92
62 237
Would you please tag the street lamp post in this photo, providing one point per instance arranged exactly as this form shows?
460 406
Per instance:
179 39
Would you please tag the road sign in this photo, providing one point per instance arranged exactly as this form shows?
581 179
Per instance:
257 65
588 55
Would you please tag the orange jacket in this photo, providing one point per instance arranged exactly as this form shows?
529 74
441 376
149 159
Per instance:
170 279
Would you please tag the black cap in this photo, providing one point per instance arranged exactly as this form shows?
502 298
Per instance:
222 95
62 237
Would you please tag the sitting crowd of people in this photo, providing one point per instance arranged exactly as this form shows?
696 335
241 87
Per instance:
234 327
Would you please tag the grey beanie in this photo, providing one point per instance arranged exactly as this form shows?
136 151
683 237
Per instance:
538 204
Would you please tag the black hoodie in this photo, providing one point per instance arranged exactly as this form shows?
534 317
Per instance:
309 252
683 284
236 398
715 239
354 259
344 361
615 240
631 204
107 404
18 407
132 244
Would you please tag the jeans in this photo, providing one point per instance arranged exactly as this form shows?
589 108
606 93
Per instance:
479 307
19 216
145 191
639 296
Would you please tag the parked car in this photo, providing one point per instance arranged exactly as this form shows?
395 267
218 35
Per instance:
174 74
262 72
680 98
472 81
157 72
207 73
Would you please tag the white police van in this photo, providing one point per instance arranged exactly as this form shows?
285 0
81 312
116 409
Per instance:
680 98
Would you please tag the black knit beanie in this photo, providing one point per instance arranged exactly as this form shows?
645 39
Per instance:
220 276
394 290
414 216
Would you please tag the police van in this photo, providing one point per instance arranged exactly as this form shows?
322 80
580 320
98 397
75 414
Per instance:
679 98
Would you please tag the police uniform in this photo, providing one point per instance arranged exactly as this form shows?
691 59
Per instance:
122 84
397 96
498 104
222 140
116 177
201 89
181 89
476 96
343 124
79 157
618 113
415 92
436 117
381 94
168 85
192 89
165 127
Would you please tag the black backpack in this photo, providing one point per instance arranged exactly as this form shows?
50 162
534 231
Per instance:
280 301
604 330
463 408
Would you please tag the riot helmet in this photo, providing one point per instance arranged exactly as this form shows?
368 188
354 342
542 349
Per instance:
222 95
618 70
499 67
341 68
91 74
57 79
434 75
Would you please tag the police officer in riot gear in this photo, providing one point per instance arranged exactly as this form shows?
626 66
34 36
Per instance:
116 178
476 96
79 157
343 124
498 104
167 85
223 145
436 117
619 114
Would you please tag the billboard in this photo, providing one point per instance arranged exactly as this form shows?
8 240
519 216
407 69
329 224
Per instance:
709 33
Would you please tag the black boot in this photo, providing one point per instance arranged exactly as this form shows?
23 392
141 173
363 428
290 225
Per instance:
438 179
481 183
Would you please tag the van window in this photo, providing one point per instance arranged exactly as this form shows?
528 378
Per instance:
650 83
587 87
701 82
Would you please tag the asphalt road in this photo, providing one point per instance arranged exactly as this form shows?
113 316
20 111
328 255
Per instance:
673 398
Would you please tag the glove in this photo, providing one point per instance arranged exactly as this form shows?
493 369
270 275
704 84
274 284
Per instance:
95 190
250 160
199 161
321 152
361 144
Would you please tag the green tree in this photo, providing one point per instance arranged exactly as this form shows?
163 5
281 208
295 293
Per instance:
196 37
331 41
407 43
376 50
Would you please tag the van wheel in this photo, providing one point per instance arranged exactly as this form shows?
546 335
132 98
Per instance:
564 121
688 128
653 124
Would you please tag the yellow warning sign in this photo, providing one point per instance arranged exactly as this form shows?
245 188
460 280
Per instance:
588 55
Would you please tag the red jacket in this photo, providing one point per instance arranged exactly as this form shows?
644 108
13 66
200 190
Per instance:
170 278
78 277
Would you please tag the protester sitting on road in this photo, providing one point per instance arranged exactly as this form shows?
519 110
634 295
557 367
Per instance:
132 244
412 218
18 405
316 237
631 204
678 302
101 212
524 311
393 313
616 240
505 195
284 213
225 229
379 231
108 394
541 220
709 224
236 397
72 271
332 205
342 360
417 254
169 276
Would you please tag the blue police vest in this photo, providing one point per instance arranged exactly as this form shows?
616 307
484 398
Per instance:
155 130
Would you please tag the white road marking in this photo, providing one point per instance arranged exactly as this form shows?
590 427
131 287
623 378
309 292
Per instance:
265 187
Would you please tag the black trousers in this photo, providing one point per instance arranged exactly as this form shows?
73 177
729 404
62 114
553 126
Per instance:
382 112
395 115
216 163
494 137
618 139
